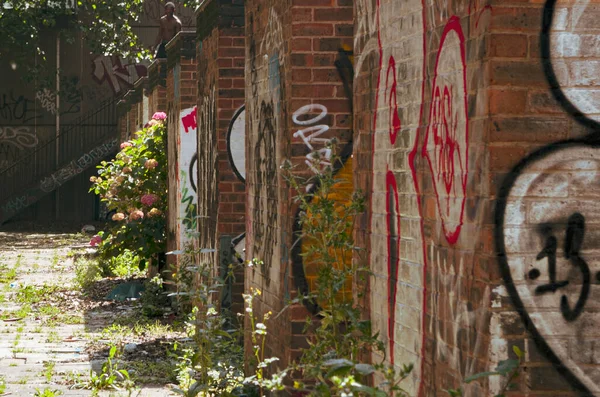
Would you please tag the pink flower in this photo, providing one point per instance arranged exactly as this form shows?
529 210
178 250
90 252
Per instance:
93 179
150 164
159 116
126 170
126 144
154 212
135 215
119 216
149 199
95 240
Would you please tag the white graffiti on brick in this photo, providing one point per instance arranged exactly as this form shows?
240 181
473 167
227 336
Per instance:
187 197
462 330
551 239
19 137
76 167
575 54
319 156
47 99
272 42
236 143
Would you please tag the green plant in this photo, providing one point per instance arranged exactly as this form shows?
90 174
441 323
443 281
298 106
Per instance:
110 377
2 385
49 370
87 272
211 365
153 299
134 185
338 334
509 369
47 392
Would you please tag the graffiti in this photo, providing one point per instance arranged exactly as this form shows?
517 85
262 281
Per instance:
19 137
273 39
545 249
118 75
17 108
187 164
446 142
76 167
236 143
47 99
457 342
317 157
16 204
306 275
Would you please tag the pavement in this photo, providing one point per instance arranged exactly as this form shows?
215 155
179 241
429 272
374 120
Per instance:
47 351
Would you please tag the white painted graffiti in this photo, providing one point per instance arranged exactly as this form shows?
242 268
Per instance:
112 70
188 174
272 42
47 99
19 137
75 167
310 135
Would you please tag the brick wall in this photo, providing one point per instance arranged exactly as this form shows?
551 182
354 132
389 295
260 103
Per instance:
222 167
295 93
156 90
542 95
181 90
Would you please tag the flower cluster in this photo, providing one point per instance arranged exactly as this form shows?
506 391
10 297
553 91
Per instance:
133 186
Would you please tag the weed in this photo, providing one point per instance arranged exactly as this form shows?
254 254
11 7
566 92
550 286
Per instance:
2 385
47 393
33 294
24 380
87 272
48 370
53 337
110 377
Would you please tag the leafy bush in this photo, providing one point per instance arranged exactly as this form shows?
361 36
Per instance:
134 186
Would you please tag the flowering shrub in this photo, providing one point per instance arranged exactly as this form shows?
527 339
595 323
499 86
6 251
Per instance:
134 185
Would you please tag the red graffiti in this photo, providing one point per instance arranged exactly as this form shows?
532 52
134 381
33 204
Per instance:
394 123
189 121
446 142
393 244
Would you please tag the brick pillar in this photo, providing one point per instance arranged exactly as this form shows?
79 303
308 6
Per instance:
221 51
123 114
543 171
295 93
156 89
181 141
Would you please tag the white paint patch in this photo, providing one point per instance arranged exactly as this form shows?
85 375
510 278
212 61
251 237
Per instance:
237 143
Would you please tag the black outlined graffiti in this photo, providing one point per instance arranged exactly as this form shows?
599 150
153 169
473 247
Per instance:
517 185
17 108
235 141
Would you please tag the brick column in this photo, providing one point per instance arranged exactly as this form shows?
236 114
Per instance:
181 140
156 89
221 135
295 93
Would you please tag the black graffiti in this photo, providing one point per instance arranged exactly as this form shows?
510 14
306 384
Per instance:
193 175
576 223
265 167
573 240
17 108
229 154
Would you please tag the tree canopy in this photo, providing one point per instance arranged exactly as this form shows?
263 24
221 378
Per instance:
105 26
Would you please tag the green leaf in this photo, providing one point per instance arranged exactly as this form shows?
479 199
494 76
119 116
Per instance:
473 377
517 351
364 369
507 366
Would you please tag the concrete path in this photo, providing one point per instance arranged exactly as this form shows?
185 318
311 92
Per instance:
45 346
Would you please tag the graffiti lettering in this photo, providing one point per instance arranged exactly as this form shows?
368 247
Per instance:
112 70
320 157
75 167
17 108
18 137
47 99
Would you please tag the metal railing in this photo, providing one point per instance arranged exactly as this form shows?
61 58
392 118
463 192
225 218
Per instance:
74 139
